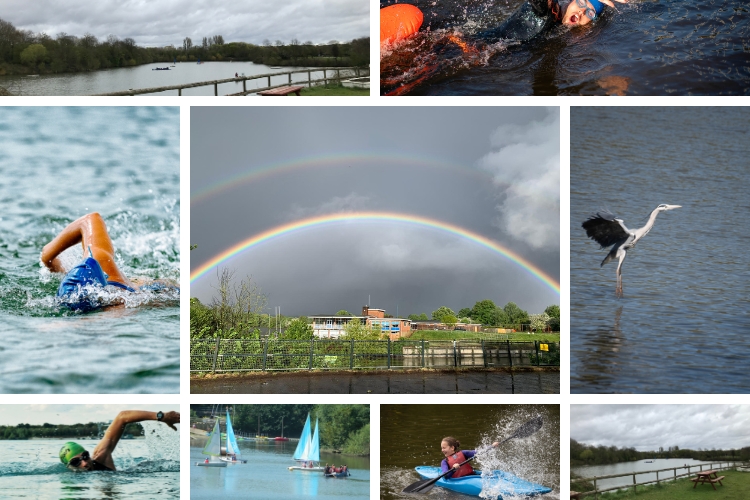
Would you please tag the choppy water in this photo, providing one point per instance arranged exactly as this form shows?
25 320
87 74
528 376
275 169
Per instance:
146 468
410 435
266 475
589 471
141 77
669 47
682 324
57 164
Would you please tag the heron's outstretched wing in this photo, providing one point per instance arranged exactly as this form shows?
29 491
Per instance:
605 229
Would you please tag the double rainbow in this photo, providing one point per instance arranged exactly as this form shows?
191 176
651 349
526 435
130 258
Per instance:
374 217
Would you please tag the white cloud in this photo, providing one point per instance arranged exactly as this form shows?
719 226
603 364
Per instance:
525 165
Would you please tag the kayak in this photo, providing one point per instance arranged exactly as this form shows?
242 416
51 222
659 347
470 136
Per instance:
502 483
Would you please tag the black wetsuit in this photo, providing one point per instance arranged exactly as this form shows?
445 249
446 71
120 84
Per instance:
532 18
98 466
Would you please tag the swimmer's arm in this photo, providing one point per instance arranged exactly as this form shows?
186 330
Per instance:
103 451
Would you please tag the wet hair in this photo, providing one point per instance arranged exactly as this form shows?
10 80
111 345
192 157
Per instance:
452 442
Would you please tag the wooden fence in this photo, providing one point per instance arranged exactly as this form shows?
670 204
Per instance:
666 477
329 75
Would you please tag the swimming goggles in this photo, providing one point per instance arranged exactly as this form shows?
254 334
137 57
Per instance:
590 13
76 461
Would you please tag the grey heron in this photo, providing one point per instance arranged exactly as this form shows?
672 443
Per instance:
608 230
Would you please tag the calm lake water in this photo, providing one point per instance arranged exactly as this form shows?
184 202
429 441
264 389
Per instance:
57 164
669 47
140 77
266 475
682 324
639 466
146 468
411 435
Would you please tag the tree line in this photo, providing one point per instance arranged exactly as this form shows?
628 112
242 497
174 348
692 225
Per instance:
488 314
28 431
583 454
23 52
343 428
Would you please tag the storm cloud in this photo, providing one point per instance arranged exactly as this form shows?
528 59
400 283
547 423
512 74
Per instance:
289 164
168 22
648 427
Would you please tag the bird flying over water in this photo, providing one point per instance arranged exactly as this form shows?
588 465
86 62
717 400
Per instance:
607 230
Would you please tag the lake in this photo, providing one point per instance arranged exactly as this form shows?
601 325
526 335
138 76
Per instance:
266 474
682 324
56 165
669 47
410 435
146 468
639 466
144 76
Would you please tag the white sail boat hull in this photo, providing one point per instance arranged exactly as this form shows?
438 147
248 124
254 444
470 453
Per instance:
211 464
307 469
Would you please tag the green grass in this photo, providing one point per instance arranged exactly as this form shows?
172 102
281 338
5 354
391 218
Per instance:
460 335
338 90
736 487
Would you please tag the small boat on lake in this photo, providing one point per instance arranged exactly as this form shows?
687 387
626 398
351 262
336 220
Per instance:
337 472
213 449
308 449
233 455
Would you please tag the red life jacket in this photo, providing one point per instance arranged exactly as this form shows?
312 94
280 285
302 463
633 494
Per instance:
464 470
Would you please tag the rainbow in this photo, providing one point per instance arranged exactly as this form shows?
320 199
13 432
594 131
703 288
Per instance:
377 217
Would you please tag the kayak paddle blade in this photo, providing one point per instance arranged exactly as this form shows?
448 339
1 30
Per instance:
421 486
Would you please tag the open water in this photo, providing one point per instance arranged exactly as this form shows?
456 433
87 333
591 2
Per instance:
141 77
667 47
266 475
410 435
146 468
682 324
681 464
57 164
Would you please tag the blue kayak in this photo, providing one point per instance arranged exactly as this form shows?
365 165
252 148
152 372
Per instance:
503 483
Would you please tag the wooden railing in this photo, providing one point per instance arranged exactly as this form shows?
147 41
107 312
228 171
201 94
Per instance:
329 75
668 477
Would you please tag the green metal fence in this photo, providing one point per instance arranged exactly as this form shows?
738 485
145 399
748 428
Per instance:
229 355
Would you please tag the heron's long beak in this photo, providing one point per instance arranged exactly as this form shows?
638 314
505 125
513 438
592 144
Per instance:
672 207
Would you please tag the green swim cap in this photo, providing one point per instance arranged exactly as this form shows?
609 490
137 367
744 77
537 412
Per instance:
69 450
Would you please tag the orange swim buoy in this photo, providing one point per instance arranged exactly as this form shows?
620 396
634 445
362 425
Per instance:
398 22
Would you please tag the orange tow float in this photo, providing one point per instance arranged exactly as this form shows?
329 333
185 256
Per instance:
398 22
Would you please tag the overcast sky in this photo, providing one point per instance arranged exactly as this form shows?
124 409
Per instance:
491 171
168 22
69 414
648 427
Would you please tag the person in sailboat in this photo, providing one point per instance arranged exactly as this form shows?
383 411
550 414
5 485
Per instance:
77 458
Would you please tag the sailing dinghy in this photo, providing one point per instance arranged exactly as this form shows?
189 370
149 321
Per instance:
213 448
233 455
307 453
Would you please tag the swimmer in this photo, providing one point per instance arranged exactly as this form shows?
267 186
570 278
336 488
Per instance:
98 267
76 458
454 458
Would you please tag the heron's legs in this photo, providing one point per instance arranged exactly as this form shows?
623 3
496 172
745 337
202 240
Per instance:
618 290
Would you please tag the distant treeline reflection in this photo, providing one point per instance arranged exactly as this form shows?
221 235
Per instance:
22 52
583 454
28 431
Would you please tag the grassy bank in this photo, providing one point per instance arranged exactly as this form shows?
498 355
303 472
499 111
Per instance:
736 487
338 90
460 335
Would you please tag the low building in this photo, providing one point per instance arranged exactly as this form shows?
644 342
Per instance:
437 325
332 327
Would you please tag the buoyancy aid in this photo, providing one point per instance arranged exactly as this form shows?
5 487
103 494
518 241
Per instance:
457 458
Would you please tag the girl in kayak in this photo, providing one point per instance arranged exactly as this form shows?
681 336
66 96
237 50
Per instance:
454 457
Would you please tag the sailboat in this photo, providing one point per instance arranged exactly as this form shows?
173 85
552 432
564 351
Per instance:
308 449
213 448
232 449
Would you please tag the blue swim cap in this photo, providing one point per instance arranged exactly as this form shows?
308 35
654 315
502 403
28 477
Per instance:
597 5
71 291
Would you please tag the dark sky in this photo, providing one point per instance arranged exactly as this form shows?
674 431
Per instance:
168 22
648 427
489 170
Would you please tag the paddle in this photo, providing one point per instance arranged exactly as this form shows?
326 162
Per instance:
525 430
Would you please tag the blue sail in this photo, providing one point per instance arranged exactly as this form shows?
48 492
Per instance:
304 440
232 448
314 453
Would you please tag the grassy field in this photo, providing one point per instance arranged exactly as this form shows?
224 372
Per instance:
339 90
736 487
459 335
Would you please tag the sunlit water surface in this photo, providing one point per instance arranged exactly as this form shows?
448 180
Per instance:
57 164
146 468
410 435
668 47
682 324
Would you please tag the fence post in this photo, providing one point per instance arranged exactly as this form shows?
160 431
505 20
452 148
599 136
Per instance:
351 355
596 490
389 354
216 354
422 353
312 349
634 492
265 353
455 357
309 79
338 76
216 89
325 77
536 350
269 81
510 358
244 86
179 91
657 477
484 356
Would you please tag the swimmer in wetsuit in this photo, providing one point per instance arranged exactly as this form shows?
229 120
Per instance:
76 458
98 267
